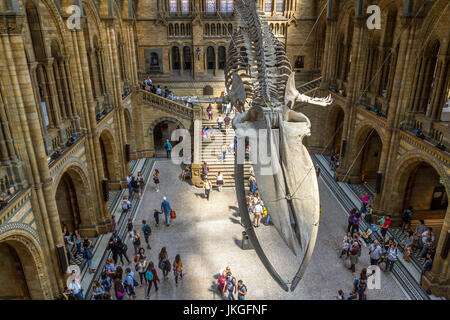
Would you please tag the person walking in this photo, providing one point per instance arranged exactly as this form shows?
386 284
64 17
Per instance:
151 275
177 268
166 209
136 242
227 121
205 170
126 204
147 230
75 287
257 211
156 179
156 214
242 290
122 250
164 262
427 265
355 223
207 186
224 151
219 121
141 267
135 187
385 226
407 245
168 147
114 226
140 180
350 219
119 289
87 253
252 184
354 256
210 112
219 181
130 228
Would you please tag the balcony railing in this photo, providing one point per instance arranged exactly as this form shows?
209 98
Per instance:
167 104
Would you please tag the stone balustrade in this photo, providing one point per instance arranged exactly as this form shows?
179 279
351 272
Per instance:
167 104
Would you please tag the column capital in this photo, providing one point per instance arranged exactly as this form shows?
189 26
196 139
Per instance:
11 23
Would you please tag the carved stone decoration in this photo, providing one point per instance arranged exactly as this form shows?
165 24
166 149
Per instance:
11 23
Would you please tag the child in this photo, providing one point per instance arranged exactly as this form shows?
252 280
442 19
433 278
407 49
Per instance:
346 244
156 214
340 295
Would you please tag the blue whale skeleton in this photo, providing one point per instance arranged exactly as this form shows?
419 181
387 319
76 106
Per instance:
257 68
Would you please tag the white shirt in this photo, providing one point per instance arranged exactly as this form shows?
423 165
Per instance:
220 177
258 208
75 286
219 119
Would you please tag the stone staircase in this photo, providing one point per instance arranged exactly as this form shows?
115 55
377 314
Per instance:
309 86
212 151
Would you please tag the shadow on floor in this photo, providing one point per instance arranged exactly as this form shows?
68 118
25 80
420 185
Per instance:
235 210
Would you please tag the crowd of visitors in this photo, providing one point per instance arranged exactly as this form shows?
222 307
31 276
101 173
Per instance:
227 284
156 89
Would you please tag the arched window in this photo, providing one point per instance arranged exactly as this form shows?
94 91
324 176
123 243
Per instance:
224 30
213 29
210 58
210 6
187 58
183 31
282 30
170 30
268 6
206 29
173 6
175 58
226 6
271 27
280 6
188 29
230 29
219 29
177 30
222 57
184 6
277 29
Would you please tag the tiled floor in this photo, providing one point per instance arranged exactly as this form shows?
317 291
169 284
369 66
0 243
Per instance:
207 236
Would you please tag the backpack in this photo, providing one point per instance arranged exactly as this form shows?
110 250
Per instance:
149 275
231 283
147 230
120 293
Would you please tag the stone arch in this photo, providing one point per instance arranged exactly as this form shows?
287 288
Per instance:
109 155
157 134
335 124
366 152
31 259
406 164
72 193
129 129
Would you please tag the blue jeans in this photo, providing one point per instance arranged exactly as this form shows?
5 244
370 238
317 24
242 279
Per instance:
207 193
230 295
78 248
90 263
241 297
167 215
224 155
267 219
220 125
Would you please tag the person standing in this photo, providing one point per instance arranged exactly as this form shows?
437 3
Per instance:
205 170
354 256
252 184
375 253
129 283
140 181
147 230
242 290
385 226
227 121
219 181
231 286
166 209
406 218
355 224
156 179
135 187
350 219
76 239
114 226
177 268
219 121
222 283
392 257
168 148
210 112
87 253
75 287
427 265
224 151
119 289
257 211
207 186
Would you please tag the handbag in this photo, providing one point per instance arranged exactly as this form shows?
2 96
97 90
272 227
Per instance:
173 215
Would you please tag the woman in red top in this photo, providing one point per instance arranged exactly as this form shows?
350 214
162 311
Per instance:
223 283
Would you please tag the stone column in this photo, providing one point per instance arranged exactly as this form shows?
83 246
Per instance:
15 68
59 89
438 95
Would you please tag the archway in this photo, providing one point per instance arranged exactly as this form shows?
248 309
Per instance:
108 155
19 271
366 155
420 185
73 200
336 129
161 132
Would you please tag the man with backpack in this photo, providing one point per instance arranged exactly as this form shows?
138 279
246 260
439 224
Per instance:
242 290
222 282
231 285
147 232
406 218
166 209
130 283
168 148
